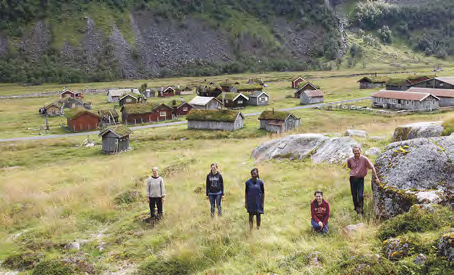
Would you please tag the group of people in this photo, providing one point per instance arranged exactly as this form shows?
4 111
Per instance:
254 199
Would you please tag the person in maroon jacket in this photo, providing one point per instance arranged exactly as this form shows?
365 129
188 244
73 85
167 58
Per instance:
320 213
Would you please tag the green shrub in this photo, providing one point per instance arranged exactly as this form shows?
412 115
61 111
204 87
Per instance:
360 265
448 126
416 220
169 267
127 197
53 268
22 261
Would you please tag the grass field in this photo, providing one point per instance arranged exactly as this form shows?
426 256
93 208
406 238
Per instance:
53 192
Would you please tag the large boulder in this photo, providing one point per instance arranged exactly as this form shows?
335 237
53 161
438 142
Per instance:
319 147
356 133
417 171
418 130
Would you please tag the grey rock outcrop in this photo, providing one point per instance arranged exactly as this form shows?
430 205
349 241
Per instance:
418 130
413 171
356 133
420 259
352 228
446 245
396 248
317 146
373 152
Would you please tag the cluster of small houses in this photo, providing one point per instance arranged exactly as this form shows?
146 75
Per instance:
415 93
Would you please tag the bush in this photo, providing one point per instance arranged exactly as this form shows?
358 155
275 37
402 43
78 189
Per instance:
416 220
448 127
22 261
127 197
53 268
360 265
170 267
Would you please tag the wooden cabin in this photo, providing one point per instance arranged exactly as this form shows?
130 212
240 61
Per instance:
233 101
371 82
166 91
53 109
145 113
402 100
71 94
80 119
149 93
311 97
402 84
179 107
131 99
436 83
278 122
115 139
245 88
225 120
303 86
227 84
114 95
209 89
446 96
296 81
205 103
258 99
108 116
257 81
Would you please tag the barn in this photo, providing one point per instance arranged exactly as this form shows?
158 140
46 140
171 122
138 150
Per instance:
311 97
205 103
179 107
278 122
370 82
296 81
80 119
303 86
145 113
436 83
403 100
115 139
446 96
233 101
226 120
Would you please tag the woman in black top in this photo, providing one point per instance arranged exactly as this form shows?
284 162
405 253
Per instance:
215 189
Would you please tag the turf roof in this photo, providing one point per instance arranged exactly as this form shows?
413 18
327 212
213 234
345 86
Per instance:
72 113
241 87
278 115
213 115
119 129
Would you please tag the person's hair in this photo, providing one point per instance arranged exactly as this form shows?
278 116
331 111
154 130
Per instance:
215 165
154 169
257 171
318 192
356 147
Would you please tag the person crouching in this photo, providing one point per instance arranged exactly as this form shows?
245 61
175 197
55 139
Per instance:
320 213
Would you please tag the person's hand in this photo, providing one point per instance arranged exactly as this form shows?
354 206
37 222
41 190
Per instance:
320 224
162 199
208 198
148 199
377 181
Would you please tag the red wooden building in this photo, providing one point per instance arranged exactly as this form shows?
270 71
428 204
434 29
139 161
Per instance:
180 107
167 91
79 120
68 93
145 113
296 81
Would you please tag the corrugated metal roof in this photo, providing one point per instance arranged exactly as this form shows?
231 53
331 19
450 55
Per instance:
435 92
402 95
446 79
201 100
313 93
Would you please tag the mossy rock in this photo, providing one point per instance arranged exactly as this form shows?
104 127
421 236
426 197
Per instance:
418 130
448 127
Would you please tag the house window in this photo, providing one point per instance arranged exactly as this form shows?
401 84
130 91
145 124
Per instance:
240 101
128 100
399 101
263 99
185 109
162 113
441 84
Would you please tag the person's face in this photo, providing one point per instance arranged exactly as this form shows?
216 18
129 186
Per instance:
356 153
254 174
155 173
319 197
214 169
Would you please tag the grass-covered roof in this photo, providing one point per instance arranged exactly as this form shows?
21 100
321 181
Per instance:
244 87
108 112
176 102
278 115
213 115
415 77
73 113
139 108
397 81
375 79
304 83
228 96
120 130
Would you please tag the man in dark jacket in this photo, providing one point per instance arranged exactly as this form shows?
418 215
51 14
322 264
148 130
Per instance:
215 188
320 213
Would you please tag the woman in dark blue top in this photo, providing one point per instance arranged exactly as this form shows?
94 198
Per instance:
254 198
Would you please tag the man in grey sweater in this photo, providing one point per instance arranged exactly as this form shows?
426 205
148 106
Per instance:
156 192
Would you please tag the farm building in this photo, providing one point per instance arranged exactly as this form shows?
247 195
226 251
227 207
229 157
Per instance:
226 120
115 139
166 91
149 93
296 81
57 108
370 82
245 88
402 100
303 86
108 116
145 113
131 99
53 109
446 96
233 101
209 89
205 103
71 94
258 99
311 96
114 95
179 107
436 83
227 84
258 81
402 84
182 89
80 119
278 122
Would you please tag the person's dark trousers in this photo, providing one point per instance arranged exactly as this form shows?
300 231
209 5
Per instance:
357 189
156 202
315 225
215 200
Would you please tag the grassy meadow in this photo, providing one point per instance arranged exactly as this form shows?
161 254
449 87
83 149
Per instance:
53 192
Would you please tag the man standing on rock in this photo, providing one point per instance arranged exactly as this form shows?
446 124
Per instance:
359 165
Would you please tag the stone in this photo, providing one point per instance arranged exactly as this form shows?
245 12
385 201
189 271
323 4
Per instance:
313 259
446 245
413 171
420 259
317 146
73 246
352 228
418 130
356 133
373 152
395 249
377 138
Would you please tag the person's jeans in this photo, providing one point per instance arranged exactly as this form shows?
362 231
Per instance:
357 189
158 203
215 199
317 227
